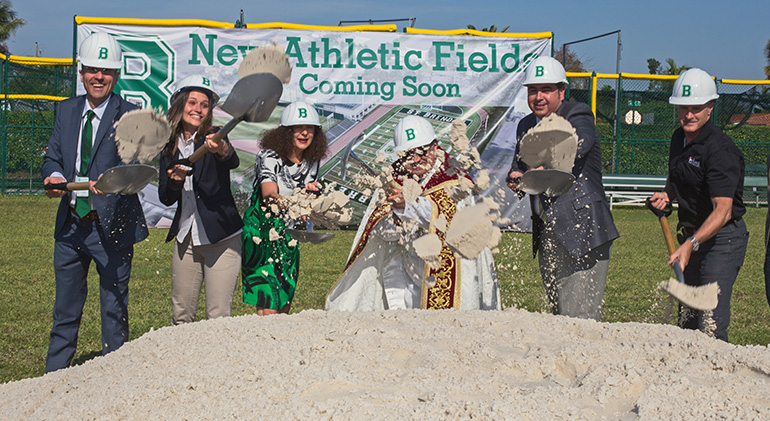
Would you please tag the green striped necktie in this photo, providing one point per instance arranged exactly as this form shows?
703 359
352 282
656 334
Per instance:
83 204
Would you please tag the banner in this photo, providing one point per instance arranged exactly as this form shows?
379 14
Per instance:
361 83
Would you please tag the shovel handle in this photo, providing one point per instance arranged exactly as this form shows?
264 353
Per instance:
216 138
72 186
662 215
198 154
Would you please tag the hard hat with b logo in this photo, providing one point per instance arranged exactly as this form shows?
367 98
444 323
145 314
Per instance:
196 82
299 113
544 69
693 87
412 132
100 50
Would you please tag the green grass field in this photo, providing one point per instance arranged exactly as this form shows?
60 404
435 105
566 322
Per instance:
27 282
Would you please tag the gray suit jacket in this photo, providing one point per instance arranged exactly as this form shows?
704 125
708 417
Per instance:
121 217
581 217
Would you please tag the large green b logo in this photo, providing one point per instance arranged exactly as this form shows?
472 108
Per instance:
148 70
539 71
685 90
302 112
409 134
103 53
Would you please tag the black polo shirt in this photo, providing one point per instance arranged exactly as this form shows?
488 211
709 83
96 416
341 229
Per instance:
710 166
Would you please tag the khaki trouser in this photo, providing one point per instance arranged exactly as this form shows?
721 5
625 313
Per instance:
218 263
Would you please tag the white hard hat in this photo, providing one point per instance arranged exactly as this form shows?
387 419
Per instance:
196 82
100 50
693 87
298 113
412 132
544 69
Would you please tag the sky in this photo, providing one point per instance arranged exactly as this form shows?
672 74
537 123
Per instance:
727 39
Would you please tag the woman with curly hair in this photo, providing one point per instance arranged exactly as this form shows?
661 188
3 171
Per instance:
290 158
206 225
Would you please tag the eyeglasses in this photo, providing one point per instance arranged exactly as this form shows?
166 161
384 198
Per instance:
89 69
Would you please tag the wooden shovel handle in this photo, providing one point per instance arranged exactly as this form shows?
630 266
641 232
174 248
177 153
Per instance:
667 234
75 185
216 138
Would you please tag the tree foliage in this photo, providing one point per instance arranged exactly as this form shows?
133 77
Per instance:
9 23
573 63
655 68
492 28
767 57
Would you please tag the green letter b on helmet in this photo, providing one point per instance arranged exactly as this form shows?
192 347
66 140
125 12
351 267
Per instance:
685 90
539 71
103 53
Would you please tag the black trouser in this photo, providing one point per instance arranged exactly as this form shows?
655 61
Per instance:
718 260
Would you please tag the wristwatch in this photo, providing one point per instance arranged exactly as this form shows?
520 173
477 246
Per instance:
695 243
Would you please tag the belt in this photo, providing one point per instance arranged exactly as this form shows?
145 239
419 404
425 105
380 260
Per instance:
90 216
683 233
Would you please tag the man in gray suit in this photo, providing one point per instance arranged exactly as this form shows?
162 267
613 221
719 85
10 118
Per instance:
572 232
90 226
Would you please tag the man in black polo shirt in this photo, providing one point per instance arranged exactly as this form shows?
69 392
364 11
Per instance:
706 179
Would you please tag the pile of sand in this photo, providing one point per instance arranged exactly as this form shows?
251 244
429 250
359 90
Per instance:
405 365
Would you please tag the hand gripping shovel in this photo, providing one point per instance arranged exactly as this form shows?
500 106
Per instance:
123 179
704 297
252 99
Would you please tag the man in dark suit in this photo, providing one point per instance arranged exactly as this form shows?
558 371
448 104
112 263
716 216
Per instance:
572 232
90 225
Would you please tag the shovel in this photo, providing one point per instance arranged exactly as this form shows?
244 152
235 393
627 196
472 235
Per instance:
307 235
310 237
350 154
252 99
123 179
549 182
704 297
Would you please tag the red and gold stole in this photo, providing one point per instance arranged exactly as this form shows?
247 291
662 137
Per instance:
445 293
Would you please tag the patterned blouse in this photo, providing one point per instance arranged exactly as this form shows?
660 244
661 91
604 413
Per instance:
288 175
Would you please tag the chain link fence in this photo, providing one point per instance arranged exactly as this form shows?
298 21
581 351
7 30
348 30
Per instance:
633 116
29 89
635 121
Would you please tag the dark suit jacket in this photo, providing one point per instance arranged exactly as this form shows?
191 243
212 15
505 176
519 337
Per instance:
121 217
581 216
213 198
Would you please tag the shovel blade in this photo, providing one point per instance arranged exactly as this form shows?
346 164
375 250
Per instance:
310 237
126 179
549 182
254 97
705 297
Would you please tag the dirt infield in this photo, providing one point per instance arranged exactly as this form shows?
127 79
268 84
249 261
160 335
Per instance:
407 365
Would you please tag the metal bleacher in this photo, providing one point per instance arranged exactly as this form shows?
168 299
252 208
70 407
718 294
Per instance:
632 189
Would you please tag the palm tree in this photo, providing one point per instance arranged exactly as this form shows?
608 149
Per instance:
9 23
767 57
492 28
673 69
